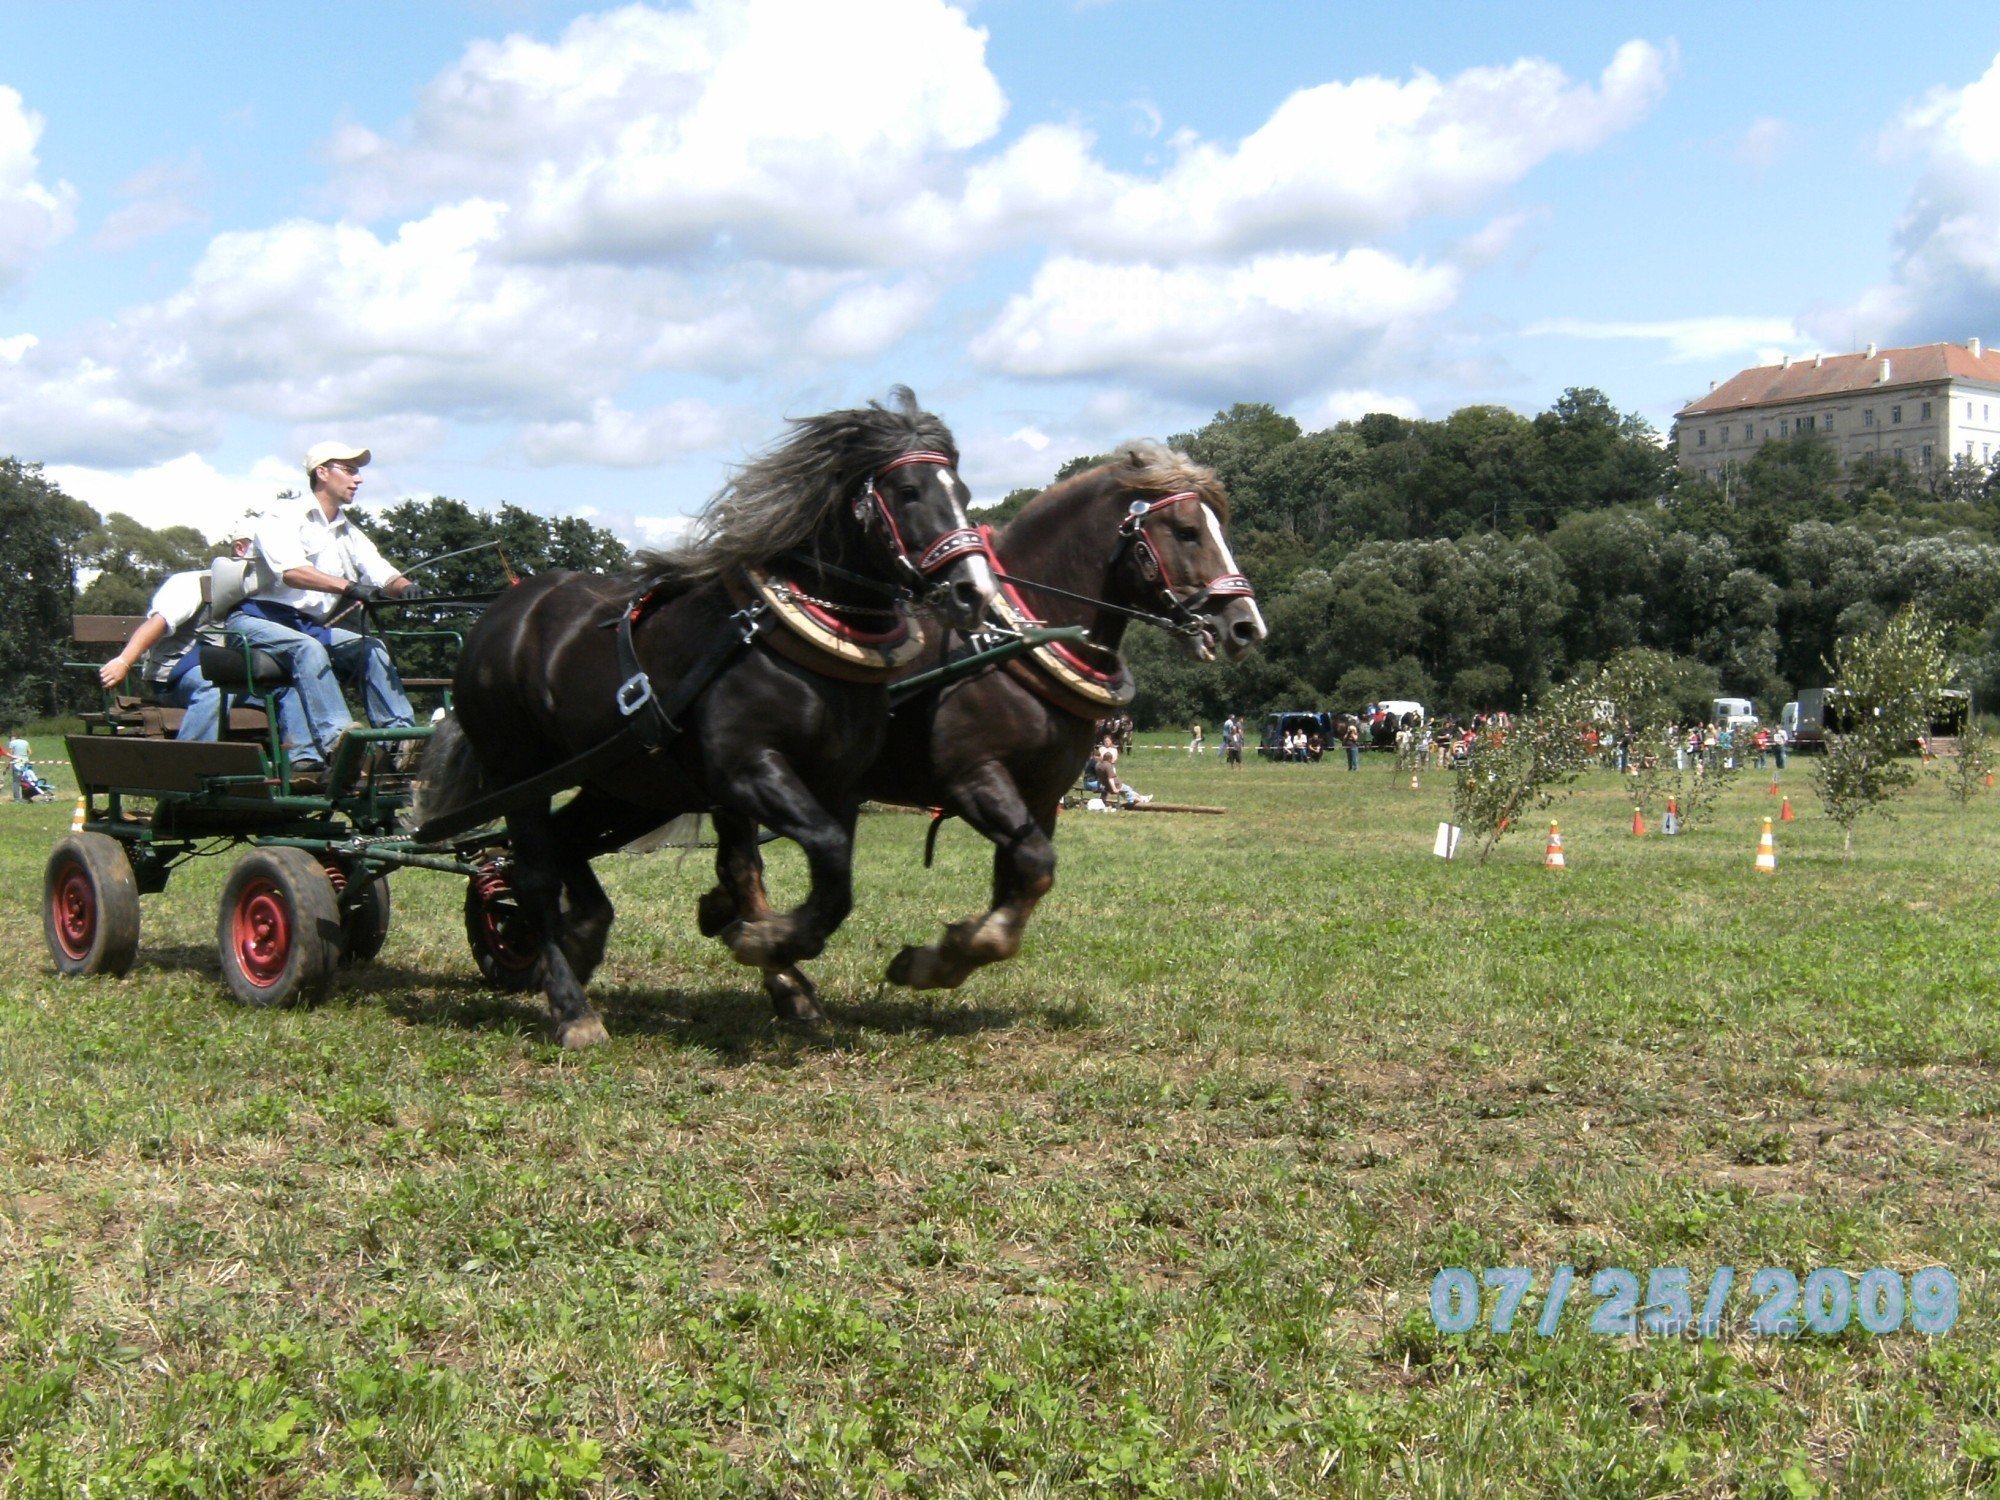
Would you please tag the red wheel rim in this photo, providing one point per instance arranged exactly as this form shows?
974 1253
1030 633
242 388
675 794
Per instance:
500 923
75 903
261 933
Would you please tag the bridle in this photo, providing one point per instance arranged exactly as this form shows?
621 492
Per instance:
1181 615
1183 608
875 516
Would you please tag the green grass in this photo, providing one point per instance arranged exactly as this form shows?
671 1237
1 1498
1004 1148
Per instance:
1153 1210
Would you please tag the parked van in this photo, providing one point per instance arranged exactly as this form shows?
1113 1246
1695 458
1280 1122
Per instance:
1734 713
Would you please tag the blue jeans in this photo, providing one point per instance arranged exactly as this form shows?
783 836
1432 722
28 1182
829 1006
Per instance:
201 703
360 660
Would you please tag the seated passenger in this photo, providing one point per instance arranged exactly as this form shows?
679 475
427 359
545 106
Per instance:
313 563
167 639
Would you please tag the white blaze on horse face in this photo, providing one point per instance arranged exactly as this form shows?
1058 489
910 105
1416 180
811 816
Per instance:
978 571
1229 564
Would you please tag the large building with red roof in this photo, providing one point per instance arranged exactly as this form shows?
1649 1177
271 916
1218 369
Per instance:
1926 405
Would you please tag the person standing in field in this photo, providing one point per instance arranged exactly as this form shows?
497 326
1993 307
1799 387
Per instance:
19 758
1196 745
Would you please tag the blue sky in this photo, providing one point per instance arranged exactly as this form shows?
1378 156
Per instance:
583 259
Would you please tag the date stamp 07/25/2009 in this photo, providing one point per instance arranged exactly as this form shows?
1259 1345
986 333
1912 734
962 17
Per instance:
1878 1301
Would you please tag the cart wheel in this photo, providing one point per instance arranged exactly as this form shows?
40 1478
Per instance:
365 927
497 929
279 930
90 906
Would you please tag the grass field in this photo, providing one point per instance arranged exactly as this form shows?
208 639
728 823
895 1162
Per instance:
1154 1210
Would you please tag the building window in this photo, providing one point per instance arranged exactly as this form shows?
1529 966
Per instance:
1927 455
1748 432
1927 411
1701 438
1828 421
1784 427
1896 453
1895 415
1868 417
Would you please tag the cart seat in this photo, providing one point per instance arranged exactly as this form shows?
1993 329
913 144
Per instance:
235 670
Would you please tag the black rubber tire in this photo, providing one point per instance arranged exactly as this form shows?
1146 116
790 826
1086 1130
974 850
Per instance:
491 920
90 905
278 930
365 927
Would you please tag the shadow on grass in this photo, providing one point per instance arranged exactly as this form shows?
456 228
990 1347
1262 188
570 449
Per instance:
734 1024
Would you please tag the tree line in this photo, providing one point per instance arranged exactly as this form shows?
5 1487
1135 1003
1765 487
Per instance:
1475 561
1469 562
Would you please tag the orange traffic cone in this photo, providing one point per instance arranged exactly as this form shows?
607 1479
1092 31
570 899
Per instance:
1638 823
76 819
1785 811
1767 852
1553 858
1774 785
1989 778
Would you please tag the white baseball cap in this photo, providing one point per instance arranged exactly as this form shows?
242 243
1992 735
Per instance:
246 526
332 452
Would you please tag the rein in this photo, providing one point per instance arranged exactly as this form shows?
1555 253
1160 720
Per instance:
871 511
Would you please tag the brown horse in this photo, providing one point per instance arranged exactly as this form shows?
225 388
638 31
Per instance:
758 655
1142 535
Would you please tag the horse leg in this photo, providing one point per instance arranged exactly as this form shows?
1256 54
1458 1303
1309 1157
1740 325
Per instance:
540 858
738 892
587 916
738 895
766 791
1024 870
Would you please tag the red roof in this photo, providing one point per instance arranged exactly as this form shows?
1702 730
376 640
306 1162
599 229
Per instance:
1841 374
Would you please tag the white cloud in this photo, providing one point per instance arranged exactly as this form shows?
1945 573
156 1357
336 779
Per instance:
1340 162
12 349
1701 340
623 439
158 199
33 214
1269 325
865 320
1763 144
790 129
1945 276
1348 406
184 491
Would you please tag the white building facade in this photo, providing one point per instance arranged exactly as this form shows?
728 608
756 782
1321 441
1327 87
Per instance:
1924 405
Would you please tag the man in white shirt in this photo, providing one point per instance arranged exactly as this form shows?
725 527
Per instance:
167 639
313 563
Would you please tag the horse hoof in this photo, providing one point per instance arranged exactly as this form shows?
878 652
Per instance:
588 1031
925 969
793 999
752 943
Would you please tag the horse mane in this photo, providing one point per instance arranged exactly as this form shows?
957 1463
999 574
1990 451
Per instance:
784 496
1140 466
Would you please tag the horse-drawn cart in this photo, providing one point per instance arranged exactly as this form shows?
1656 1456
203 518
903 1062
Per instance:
310 887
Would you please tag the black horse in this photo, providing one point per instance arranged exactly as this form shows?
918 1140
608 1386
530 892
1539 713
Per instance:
1141 536
753 659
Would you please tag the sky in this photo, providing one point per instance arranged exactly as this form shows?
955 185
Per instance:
585 259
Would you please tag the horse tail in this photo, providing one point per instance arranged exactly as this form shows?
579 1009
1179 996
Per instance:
450 775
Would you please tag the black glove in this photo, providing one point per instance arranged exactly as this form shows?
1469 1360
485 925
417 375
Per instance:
411 593
360 593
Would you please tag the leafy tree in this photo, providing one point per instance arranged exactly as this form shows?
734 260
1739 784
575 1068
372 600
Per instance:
1965 773
1891 680
42 532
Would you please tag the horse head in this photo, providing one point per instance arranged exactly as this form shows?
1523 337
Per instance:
1172 546
912 507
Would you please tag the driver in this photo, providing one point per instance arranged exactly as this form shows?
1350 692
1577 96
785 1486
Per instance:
313 565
